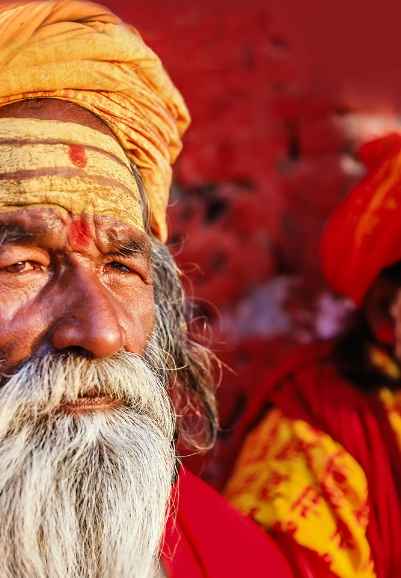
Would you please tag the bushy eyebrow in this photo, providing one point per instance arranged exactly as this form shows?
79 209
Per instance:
12 233
130 248
16 233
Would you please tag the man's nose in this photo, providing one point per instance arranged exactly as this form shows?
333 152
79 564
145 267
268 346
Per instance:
89 321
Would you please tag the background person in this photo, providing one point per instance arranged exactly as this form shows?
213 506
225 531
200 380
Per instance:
321 470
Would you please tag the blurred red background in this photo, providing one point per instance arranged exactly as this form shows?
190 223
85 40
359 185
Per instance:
269 84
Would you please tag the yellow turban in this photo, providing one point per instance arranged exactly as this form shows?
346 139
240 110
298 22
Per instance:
81 52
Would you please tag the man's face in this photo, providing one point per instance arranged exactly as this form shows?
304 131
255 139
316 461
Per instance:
86 426
383 311
71 283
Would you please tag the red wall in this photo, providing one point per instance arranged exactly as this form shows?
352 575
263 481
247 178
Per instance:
264 162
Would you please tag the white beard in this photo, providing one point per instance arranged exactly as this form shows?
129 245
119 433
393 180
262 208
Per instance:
83 496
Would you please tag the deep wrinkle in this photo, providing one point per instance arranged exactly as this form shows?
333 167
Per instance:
43 227
93 292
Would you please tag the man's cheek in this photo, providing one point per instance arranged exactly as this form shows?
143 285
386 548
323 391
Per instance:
13 303
19 333
140 322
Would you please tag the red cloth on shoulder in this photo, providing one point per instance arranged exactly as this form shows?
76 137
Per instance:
309 387
209 539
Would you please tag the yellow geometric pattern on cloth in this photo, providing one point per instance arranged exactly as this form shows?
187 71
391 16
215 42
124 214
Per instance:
384 363
392 402
296 479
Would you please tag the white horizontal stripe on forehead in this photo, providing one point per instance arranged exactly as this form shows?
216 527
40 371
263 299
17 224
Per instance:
77 195
68 165
42 157
32 129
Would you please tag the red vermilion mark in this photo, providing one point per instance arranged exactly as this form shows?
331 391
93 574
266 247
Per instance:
79 233
78 155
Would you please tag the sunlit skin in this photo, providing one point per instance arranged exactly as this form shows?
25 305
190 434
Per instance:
69 283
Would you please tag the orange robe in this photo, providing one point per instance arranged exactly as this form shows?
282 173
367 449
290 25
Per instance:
209 539
322 471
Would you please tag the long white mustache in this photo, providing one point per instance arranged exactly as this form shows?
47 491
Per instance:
84 496
42 384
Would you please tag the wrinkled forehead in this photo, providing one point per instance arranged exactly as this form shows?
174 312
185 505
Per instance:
53 227
65 164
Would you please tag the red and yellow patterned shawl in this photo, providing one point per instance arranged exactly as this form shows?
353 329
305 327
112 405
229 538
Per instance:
322 471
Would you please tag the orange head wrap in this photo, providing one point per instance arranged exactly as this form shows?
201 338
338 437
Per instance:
363 236
81 52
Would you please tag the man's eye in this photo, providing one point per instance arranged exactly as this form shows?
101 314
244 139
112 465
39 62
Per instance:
117 266
22 267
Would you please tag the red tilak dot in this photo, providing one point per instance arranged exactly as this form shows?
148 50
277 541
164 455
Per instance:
78 155
79 233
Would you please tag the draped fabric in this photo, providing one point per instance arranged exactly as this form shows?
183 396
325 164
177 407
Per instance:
207 538
363 236
322 471
81 52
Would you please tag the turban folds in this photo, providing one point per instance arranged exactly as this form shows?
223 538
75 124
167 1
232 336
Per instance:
81 52
363 236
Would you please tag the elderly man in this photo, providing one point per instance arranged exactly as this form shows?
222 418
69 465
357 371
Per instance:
99 377
322 470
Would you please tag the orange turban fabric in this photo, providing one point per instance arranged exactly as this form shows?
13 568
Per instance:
363 236
81 52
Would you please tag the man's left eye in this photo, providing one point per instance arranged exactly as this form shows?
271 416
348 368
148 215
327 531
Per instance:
117 266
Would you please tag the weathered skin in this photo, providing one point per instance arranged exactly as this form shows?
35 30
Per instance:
64 286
